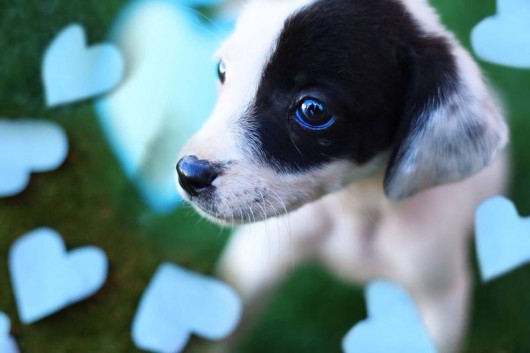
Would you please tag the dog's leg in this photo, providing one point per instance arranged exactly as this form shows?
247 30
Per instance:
445 312
259 256
424 243
434 270
423 246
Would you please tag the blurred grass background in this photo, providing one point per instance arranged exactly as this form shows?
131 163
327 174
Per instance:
89 201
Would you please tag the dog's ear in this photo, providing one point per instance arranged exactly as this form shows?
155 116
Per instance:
451 126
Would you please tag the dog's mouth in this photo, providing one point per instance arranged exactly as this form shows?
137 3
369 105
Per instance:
238 217
242 207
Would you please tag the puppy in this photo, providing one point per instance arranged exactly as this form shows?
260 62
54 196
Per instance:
357 133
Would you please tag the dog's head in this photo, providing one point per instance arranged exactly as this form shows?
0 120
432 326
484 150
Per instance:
315 94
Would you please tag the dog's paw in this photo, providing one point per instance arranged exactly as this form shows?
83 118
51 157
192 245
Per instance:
46 278
28 146
502 238
505 38
393 324
72 72
177 303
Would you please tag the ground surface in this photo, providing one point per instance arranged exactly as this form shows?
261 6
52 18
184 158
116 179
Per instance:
89 201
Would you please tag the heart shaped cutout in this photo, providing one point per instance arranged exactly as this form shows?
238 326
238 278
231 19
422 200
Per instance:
72 72
393 324
45 278
7 343
177 303
505 37
502 238
33 146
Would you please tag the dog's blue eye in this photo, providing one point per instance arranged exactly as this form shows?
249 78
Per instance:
313 115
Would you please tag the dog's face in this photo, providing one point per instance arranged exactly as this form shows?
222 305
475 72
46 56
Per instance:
314 94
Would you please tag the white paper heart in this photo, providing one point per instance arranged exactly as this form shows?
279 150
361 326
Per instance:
45 278
393 324
502 238
73 72
505 37
27 146
177 303
7 343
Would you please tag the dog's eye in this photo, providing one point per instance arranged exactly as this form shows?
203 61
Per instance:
312 114
221 71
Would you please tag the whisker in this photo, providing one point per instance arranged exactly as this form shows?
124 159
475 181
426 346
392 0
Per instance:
294 144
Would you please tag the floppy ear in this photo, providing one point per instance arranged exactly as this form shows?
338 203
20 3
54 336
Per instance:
451 126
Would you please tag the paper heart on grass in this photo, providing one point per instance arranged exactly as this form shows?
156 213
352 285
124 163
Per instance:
7 343
170 90
502 238
71 71
45 278
393 324
505 37
27 146
178 303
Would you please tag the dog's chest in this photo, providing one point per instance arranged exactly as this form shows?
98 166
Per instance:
352 246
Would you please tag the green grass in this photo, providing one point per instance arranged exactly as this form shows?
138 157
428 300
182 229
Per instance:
89 201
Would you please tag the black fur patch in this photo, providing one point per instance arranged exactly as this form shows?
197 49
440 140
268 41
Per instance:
372 66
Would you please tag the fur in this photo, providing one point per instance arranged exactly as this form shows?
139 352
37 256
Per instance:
388 189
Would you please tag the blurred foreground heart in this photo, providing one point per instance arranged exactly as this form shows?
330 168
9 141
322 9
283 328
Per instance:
46 278
169 91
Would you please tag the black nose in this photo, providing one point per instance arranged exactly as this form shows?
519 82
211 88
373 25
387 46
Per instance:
195 174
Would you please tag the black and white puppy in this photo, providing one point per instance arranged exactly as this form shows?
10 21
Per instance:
366 132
